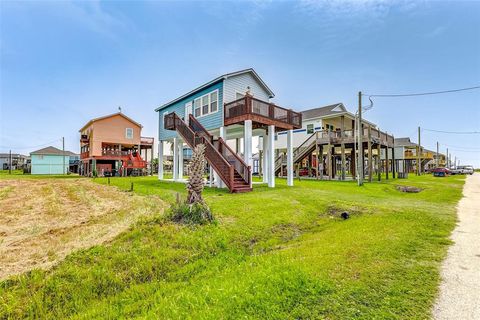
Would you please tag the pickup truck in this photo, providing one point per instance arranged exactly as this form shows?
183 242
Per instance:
465 169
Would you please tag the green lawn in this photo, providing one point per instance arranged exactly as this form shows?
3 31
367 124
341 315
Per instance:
280 253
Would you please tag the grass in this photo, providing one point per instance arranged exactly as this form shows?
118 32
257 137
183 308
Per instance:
280 253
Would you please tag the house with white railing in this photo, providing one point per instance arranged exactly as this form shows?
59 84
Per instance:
325 146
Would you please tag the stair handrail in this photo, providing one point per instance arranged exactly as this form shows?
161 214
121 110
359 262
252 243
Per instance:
190 137
193 122
240 166
278 161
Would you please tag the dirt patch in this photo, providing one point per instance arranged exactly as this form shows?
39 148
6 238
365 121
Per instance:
408 189
41 221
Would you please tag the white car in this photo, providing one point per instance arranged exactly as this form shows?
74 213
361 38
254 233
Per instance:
465 169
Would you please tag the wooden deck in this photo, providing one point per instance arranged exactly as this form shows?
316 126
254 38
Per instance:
261 113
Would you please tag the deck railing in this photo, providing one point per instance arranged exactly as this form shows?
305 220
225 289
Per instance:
251 105
147 140
114 153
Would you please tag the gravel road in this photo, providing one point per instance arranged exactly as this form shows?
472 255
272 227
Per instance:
459 296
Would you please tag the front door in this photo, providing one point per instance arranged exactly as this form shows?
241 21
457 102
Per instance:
188 111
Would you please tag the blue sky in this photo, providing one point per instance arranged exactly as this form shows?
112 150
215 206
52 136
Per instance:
63 63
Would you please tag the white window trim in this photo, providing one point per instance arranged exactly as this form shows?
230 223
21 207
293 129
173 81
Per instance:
126 133
201 106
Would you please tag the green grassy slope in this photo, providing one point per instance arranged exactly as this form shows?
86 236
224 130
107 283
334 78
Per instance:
274 254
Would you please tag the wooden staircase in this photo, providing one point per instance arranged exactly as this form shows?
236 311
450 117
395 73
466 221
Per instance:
306 148
233 171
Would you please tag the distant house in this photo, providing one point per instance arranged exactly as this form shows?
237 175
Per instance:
113 145
50 160
324 147
19 161
407 152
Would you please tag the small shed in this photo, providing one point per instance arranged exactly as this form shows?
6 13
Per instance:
50 160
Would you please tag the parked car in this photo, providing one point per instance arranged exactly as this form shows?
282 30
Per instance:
455 171
465 169
304 171
440 172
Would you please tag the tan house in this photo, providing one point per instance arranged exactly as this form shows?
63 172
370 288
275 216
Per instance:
113 145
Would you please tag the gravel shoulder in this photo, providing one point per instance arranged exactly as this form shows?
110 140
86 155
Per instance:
459 296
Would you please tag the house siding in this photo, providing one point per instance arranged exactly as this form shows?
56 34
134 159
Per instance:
239 83
210 121
49 164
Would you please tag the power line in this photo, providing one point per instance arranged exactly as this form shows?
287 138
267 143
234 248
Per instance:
462 147
37 146
420 94
452 132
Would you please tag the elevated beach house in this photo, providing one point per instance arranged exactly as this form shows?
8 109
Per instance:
113 145
325 146
232 106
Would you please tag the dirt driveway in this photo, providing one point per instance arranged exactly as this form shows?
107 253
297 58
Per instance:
41 221
460 289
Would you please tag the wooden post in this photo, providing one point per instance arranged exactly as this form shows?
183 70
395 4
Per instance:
379 161
352 162
369 146
321 167
329 157
393 160
317 152
387 163
10 162
360 140
63 153
419 151
342 136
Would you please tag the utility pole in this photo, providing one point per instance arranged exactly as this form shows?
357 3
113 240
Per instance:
63 153
10 163
447 160
419 151
360 142
438 159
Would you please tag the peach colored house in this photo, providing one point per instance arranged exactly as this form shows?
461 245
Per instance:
113 145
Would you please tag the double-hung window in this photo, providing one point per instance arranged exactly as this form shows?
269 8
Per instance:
129 133
196 106
205 104
309 128
214 101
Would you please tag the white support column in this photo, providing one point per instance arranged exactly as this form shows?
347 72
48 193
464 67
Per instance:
271 156
180 159
247 148
210 176
160 160
222 134
289 158
175 159
265 171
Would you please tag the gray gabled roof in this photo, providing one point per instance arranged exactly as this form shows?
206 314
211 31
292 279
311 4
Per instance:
404 142
330 111
52 151
14 155
321 112
222 77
